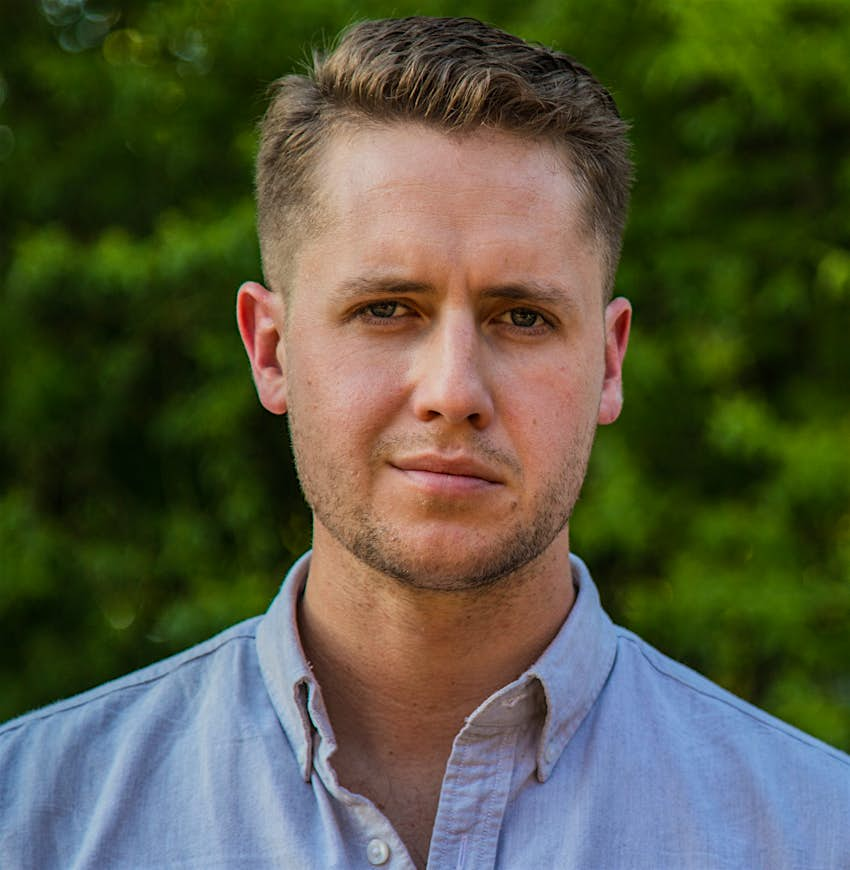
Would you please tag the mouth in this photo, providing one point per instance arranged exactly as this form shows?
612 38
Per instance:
448 474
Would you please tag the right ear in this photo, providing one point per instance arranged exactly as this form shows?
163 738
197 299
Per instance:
259 313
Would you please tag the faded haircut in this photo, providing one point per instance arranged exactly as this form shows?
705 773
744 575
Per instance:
453 74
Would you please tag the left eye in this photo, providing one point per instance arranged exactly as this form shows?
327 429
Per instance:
524 317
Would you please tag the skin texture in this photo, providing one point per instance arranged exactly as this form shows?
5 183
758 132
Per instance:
444 356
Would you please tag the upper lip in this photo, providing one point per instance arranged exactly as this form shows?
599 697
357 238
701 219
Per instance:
466 466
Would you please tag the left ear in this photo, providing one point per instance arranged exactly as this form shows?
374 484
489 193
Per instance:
618 319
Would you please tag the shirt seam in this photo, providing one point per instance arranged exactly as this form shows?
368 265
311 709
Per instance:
776 727
125 683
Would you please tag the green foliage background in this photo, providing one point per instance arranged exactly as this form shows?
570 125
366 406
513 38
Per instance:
147 501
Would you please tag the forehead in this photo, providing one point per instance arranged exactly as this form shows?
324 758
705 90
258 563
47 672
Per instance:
409 196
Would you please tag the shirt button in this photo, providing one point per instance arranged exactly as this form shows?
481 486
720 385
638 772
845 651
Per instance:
378 852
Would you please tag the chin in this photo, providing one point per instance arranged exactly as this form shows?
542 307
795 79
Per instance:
448 553
451 563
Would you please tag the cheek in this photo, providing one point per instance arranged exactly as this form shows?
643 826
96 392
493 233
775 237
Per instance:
551 410
342 395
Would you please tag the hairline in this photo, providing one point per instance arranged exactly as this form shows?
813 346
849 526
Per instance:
310 215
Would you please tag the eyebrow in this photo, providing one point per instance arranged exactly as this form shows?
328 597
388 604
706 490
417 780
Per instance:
354 287
530 291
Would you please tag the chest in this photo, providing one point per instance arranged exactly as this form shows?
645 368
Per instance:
451 811
408 796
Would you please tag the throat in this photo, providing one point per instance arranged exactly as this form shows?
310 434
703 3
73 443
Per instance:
400 672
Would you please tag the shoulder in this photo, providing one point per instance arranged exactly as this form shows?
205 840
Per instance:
192 663
148 769
88 727
687 700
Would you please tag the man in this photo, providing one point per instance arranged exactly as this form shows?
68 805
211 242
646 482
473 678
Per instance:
440 214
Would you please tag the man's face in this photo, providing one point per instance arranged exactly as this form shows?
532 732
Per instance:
446 354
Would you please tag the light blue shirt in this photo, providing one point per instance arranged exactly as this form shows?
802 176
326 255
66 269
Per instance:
604 755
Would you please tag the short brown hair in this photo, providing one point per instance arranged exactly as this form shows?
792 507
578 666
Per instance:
456 74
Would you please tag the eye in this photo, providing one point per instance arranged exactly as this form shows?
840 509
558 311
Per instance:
382 310
525 317
525 320
388 309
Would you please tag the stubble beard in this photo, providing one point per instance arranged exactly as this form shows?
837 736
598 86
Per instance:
384 548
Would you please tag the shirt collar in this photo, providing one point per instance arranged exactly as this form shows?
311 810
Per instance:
565 681
574 668
289 680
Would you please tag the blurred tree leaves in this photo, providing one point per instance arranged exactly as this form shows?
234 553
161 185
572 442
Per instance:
147 501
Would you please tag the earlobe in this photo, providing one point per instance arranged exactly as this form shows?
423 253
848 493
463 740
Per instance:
259 314
618 318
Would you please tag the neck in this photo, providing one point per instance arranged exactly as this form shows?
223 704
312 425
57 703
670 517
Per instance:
400 668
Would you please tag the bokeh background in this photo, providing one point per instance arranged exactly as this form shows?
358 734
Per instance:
146 500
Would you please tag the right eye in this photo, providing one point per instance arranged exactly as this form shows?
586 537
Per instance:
383 310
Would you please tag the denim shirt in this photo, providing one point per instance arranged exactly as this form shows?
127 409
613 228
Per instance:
604 754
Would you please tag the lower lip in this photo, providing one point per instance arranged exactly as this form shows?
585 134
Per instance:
440 483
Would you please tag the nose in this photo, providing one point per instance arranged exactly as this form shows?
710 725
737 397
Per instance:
451 374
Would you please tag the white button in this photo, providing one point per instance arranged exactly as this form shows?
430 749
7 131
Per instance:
378 852
550 754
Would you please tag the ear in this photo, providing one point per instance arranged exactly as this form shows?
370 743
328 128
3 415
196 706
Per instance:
618 319
259 314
